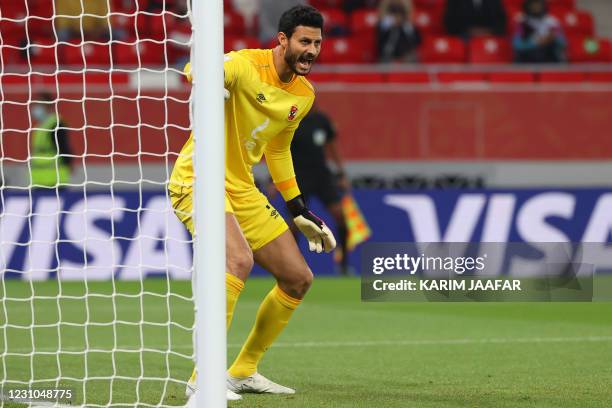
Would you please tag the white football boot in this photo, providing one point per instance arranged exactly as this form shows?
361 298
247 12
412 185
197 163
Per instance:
256 383
190 390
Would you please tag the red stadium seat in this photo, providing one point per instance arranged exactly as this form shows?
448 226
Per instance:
429 21
561 77
584 49
489 50
408 77
125 23
239 43
13 33
14 9
576 22
512 77
342 51
234 24
443 50
364 21
43 52
335 21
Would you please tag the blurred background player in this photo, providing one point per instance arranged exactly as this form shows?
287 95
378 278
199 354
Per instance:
313 144
538 36
50 154
269 96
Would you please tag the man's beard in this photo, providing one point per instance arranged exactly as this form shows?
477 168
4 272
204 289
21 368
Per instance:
300 64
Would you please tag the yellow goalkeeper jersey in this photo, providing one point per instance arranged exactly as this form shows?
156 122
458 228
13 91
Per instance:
261 116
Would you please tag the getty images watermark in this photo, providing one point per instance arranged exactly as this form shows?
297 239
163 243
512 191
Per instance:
481 272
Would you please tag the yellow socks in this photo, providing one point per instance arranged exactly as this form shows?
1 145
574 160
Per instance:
272 317
233 287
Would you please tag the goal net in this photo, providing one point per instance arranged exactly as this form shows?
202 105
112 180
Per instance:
96 301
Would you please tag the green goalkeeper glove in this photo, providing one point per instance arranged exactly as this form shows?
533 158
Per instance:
319 236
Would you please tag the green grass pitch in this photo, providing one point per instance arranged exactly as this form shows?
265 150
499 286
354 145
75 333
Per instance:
336 351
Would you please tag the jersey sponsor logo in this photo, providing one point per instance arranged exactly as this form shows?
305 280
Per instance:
292 113
261 98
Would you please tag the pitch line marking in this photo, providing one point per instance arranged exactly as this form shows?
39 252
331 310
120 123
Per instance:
372 343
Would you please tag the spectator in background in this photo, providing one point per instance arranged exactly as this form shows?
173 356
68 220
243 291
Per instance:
538 36
95 26
396 36
50 153
470 18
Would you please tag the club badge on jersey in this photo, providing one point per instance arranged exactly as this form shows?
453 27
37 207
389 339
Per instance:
292 113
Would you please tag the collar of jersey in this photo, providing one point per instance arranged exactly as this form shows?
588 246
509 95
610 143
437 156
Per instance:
279 83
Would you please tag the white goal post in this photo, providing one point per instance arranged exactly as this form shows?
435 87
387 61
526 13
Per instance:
95 268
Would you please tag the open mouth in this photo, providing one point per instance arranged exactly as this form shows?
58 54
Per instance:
305 63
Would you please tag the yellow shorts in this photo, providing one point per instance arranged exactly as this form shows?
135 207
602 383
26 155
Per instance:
258 219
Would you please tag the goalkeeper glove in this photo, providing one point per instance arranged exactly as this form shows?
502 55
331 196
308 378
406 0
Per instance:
226 94
319 237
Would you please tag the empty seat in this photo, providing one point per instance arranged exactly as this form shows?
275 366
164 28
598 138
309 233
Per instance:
576 22
364 21
489 50
585 49
336 22
443 50
342 51
429 21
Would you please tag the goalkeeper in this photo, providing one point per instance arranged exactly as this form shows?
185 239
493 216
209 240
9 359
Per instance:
268 97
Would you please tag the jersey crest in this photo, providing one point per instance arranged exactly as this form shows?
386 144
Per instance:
292 113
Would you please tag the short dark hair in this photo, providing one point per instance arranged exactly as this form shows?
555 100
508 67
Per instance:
307 16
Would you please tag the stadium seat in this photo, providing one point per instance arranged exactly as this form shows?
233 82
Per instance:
584 49
43 52
233 43
512 77
576 22
335 22
123 23
443 50
364 21
561 77
429 22
233 23
342 51
13 33
489 50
